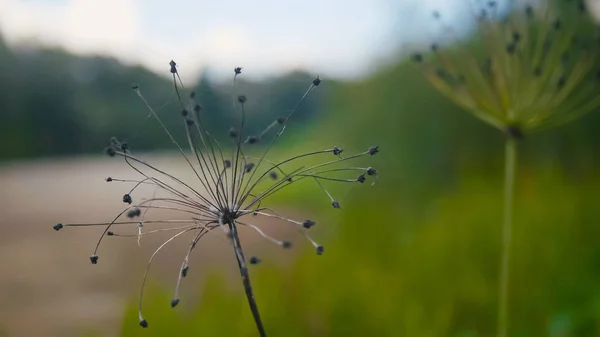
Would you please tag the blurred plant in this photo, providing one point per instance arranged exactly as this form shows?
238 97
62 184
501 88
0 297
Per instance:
233 187
535 69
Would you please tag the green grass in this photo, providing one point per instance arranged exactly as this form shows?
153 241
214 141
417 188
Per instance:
397 270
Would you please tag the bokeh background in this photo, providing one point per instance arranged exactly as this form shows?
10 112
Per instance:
417 254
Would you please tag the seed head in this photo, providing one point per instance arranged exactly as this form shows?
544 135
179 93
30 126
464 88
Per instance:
230 187
540 79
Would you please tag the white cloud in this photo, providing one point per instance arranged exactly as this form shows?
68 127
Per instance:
81 26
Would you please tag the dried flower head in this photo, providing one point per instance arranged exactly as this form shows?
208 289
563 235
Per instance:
229 186
534 68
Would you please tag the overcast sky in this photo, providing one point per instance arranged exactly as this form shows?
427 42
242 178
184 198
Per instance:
339 38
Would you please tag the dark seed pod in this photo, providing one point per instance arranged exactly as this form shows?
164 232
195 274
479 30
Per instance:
233 133
184 112
254 260
237 70
556 24
252 140
173 67
58 227
529 11
174 302
308 224
373 150
516 36
134 212
110 151
281 120
511 48
361 178
94 259
273 175
242 99
561 82
337 150
197 108
109 233
184 271
248 167
320 250
286 244
335 204
316 81
227 163
143 323
371 171
109 179
127 199
189 122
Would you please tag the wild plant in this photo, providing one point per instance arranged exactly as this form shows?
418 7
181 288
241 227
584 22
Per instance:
229 189
535 68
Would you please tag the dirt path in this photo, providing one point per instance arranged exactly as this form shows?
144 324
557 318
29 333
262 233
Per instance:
47 285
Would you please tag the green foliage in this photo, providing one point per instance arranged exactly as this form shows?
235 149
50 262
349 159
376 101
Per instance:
380 278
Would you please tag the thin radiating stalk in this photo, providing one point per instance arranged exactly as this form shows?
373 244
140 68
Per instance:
509 191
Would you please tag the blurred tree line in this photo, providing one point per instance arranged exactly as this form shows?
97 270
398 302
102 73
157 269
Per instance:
56 103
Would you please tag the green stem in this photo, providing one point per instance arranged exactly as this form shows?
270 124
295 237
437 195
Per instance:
510 161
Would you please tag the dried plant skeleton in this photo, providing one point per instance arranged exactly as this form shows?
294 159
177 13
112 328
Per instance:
228 189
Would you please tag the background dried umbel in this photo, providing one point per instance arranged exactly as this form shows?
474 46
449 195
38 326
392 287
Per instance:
229 189
532 70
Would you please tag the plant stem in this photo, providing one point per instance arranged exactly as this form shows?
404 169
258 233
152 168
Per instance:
510 162
239 254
